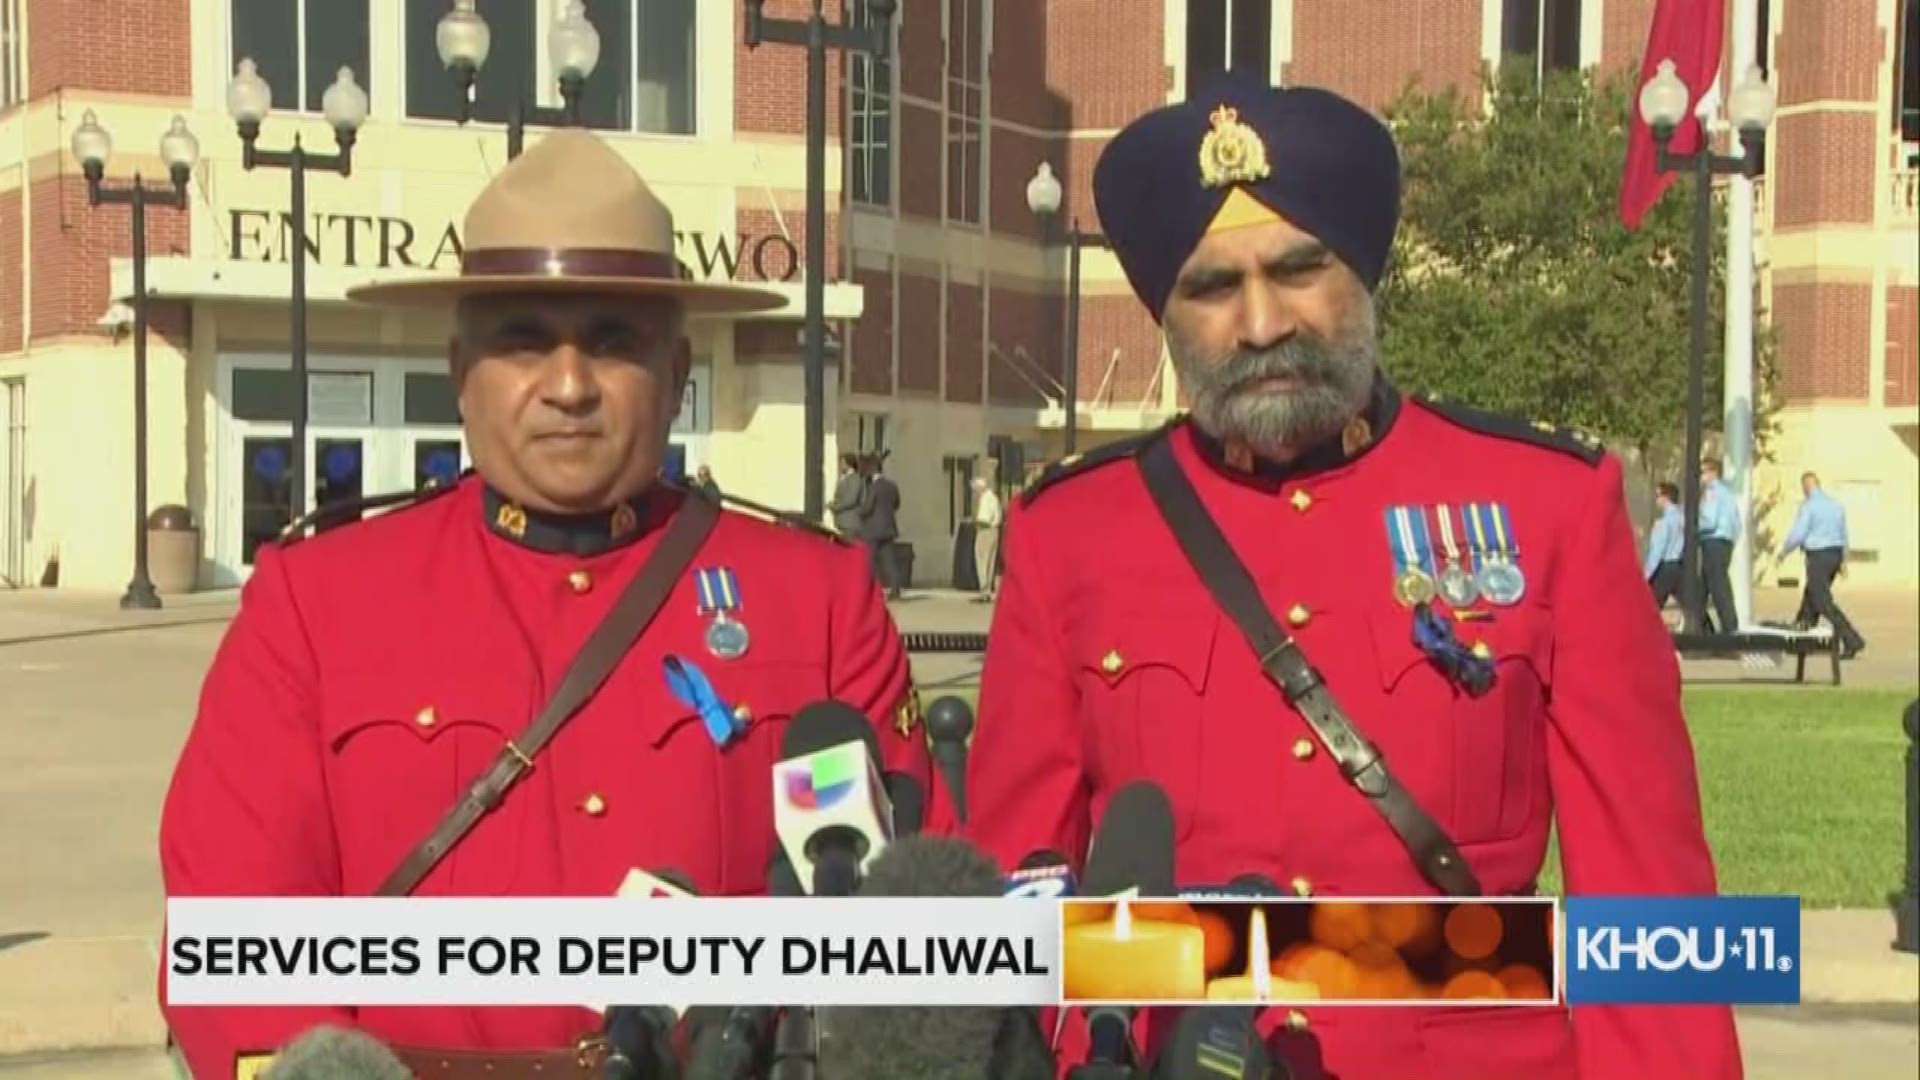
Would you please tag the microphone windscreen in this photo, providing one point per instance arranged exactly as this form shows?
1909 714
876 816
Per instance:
826 724
931 866
336 1053
1133 848
909 801
908 1042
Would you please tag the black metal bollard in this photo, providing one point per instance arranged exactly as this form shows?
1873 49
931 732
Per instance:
1906 906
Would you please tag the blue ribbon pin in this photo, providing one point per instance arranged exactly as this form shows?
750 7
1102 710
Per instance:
696 692
1436 639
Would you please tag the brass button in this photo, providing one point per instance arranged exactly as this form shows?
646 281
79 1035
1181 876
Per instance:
1482 650
1296 1020
1302 749
594 805
1298 616
1111 663
1301 500
425 717
580 581
743 714
1302 887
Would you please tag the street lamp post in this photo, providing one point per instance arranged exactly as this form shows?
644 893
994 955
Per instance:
179 150
463 40
249 99
1663 105
818 36
1043 198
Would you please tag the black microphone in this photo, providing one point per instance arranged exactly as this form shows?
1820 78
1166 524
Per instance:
640 1037
794 1049
949 725
909 801
830 807
729 1044
336 1053
1216 1044
1132 849
914 1042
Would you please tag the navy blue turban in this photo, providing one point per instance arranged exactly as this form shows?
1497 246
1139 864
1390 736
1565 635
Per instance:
1318 160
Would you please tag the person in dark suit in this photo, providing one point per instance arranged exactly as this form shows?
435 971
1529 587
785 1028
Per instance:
881 524
849 496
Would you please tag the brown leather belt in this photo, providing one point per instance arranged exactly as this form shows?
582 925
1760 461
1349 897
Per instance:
584 1062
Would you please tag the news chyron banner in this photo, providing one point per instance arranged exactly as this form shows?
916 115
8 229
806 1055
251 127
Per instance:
684 951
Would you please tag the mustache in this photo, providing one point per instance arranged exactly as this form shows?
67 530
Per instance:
1307 361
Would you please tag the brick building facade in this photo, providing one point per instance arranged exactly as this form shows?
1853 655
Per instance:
948 290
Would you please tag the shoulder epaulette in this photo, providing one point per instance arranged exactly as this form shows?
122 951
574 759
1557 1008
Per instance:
788 518
1574 441
1077 464
300 527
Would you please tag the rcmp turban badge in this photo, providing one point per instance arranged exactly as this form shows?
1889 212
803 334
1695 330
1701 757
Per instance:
1232 152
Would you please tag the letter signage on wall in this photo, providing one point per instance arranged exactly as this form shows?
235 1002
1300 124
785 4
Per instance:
381 242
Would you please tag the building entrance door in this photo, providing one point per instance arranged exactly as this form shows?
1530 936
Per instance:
373 426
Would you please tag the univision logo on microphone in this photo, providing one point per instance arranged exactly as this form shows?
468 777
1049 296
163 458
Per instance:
824 780
1683 950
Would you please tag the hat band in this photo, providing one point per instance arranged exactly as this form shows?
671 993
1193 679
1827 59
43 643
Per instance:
570 262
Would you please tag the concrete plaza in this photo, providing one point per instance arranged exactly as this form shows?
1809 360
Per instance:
95 702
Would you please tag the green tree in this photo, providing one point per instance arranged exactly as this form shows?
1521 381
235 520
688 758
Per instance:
1515 287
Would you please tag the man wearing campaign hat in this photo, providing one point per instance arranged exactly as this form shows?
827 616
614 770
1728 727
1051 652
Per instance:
1369 645
551 672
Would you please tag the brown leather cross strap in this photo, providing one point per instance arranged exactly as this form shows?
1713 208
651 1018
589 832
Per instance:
609 641
1233 588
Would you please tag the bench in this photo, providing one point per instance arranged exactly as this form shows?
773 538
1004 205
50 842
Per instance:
1758 646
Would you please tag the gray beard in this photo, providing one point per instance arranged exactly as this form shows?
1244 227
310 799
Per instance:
1333 377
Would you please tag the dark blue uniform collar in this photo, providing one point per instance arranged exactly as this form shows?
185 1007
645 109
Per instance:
1361 434
573 534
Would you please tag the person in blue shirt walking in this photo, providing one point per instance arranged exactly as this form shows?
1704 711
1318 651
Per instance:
1664 542
1820 531
1719 528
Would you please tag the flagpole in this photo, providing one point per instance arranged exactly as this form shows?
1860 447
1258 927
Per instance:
1737 429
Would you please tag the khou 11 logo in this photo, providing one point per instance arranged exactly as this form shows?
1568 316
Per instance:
1682 950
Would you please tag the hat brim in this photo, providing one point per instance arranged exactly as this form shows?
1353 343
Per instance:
702 297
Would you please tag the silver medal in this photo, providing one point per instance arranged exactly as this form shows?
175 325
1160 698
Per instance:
727 639
1457 586
1502 583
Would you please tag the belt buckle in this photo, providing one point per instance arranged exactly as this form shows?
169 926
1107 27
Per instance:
591 1051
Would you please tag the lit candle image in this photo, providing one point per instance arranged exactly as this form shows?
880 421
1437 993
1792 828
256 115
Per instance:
1128 959
1258 984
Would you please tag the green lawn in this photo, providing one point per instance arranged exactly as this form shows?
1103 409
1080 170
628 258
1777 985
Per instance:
1804 789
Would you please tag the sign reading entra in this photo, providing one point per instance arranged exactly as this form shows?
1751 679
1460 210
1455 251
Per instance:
368 241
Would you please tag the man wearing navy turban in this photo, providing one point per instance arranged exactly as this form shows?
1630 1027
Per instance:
1367 644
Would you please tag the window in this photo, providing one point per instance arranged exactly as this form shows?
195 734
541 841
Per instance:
1906 96
966 74
13 55
643 81
1547 30
300 46
1225 35
869 433
507 74
870 111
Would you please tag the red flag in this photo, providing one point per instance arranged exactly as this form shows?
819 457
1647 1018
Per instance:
1690 33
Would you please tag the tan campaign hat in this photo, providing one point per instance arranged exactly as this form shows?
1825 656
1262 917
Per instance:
569 215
